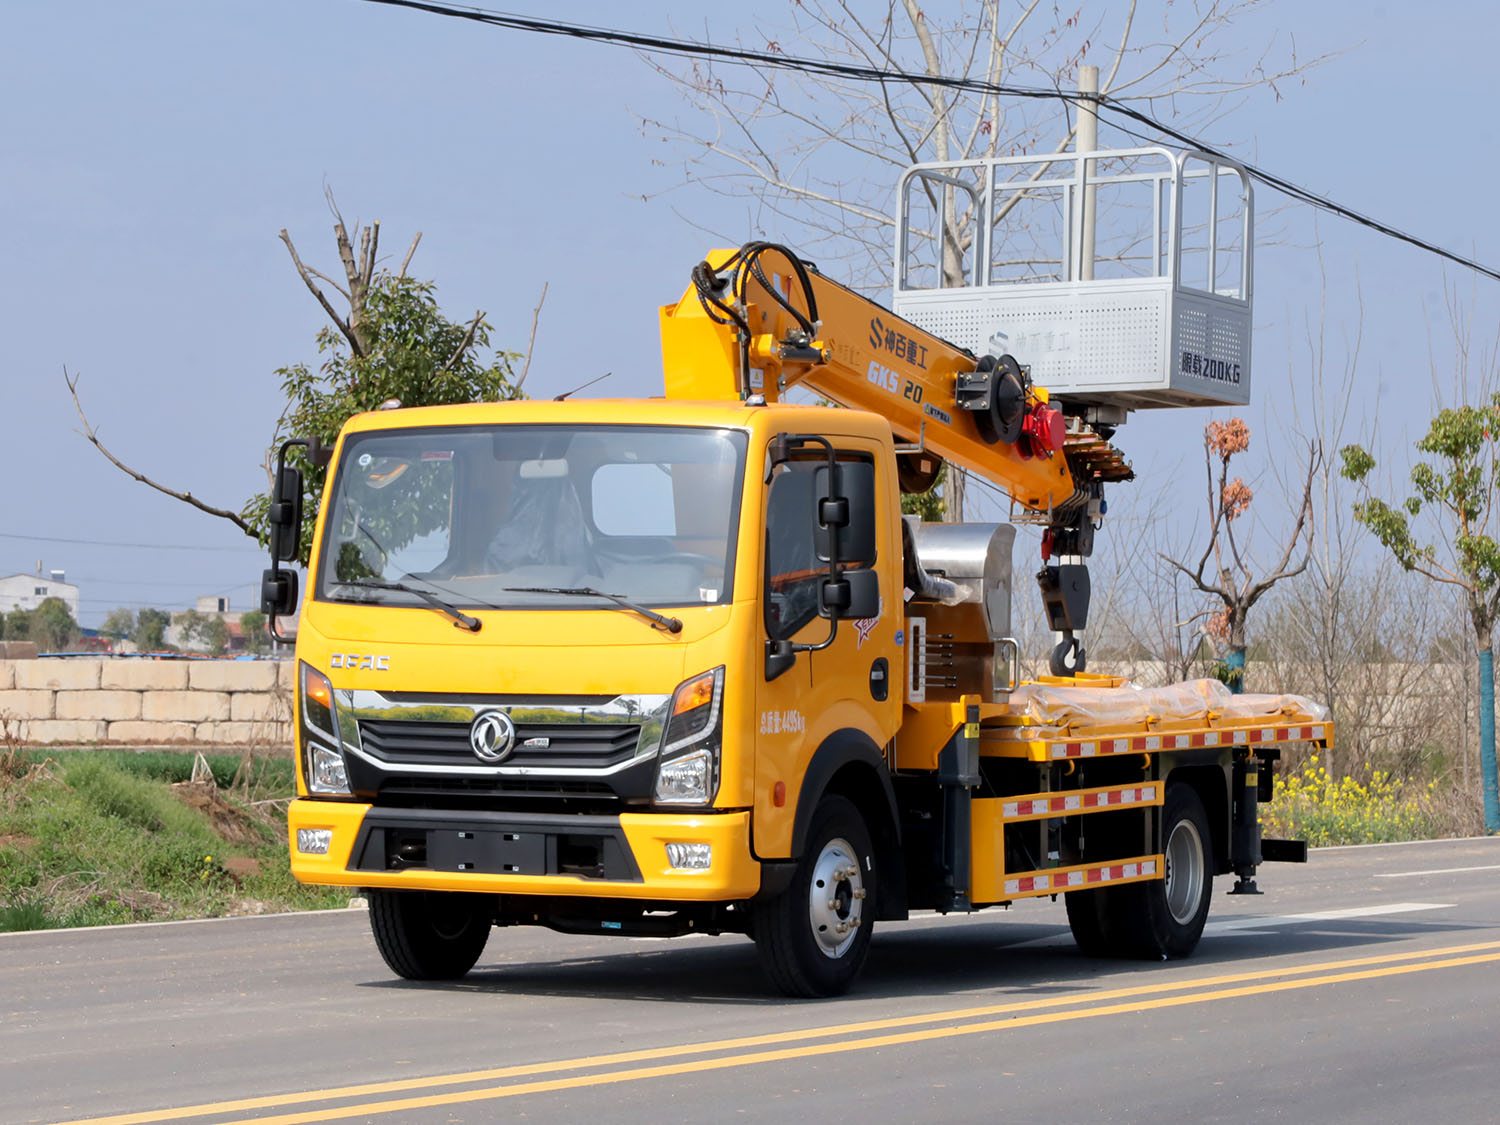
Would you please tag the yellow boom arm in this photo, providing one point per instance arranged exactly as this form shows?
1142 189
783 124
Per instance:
759 321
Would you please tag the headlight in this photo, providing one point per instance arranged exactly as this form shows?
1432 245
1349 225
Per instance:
327 774
687 780
687 771
322 764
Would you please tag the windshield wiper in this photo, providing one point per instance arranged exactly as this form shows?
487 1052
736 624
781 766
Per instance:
460 618
670 624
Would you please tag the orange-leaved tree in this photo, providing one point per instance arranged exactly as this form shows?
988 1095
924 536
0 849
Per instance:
1232 577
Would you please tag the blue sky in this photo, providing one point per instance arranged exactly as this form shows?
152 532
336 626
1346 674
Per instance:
150 152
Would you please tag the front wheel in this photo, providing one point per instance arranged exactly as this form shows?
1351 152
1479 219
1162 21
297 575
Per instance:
813 937
430 935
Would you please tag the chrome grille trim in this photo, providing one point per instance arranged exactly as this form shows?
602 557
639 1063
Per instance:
645 714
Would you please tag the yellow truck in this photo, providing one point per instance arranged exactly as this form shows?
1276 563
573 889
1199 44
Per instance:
653 667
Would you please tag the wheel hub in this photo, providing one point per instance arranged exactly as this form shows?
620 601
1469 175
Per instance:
1186 869
835 898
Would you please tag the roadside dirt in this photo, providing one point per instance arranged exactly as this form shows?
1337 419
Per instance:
232 823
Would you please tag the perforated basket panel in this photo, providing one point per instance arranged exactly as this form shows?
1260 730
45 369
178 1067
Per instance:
1123 344
1211 350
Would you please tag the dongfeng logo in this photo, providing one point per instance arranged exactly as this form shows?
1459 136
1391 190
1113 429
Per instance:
492 736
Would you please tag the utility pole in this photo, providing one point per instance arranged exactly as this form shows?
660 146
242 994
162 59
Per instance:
1088 141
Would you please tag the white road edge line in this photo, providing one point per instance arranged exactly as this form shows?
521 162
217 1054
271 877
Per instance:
1436 871
1272 921
1254 923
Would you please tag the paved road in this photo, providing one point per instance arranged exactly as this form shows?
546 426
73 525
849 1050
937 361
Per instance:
1364 986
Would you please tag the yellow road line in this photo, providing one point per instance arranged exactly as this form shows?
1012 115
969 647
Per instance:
646 1054
814 1050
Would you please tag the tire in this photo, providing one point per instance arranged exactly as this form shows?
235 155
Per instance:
430 935
1086 918
1164 918
814 936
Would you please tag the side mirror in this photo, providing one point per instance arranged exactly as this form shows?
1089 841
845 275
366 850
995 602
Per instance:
278 592
846 513
278 586
286 514
854 594
780 656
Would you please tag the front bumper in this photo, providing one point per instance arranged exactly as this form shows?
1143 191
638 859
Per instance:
623 856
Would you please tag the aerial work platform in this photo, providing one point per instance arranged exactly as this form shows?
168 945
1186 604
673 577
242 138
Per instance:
1121 277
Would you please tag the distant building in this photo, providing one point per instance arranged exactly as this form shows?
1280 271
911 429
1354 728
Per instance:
27 591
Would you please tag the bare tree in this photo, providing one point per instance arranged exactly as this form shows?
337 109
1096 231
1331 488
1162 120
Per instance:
1354 632
1232 579
822 154
1165 618
817 156
359 275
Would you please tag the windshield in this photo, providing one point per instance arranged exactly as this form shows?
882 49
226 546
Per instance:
471 512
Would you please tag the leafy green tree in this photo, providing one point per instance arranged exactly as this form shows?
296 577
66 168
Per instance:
190 627
393 343
150 633
17 625
1456 494
52 627
215 635
119 623
409 352
253 626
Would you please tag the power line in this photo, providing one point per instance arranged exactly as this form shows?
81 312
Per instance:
116 543
853 72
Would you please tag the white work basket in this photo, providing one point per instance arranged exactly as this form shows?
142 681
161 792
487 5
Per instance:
1122 277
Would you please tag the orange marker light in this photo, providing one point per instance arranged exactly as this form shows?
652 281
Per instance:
317 687
695 693
778 794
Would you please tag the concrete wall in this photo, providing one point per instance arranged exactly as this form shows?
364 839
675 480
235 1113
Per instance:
133 702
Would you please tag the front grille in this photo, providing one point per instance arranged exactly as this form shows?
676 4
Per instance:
570 745
488 786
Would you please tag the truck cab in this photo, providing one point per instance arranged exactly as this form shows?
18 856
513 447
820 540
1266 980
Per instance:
597 657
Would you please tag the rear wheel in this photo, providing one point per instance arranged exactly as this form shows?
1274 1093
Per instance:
813 937
430 935
1165 918
1086 918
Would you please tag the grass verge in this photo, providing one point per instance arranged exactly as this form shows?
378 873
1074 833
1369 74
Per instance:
98 837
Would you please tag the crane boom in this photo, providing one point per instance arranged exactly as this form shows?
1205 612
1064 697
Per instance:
759 321
862 356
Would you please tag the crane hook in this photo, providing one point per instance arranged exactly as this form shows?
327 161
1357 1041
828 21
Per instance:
1069 646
